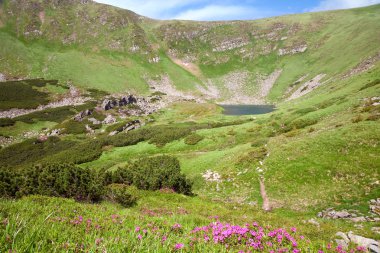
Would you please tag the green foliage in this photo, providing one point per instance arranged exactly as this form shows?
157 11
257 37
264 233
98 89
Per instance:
4 122
302 123
32 150
370 84
193 139
72 127
20 94
52 114
59 180
121 194
154 173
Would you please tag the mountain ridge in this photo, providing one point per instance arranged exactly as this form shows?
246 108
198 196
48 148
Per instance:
226 61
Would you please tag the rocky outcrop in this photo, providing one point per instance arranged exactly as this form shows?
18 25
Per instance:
307 87
368 244
353 215
109 120
292 50
110 103
364 66
80 116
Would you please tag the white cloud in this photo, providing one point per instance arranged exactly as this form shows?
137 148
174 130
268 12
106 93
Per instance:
220 12
151 8
343 4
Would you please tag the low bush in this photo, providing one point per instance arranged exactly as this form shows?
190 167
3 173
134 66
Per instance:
302 123
370 84
154 173
122 194
4 122
58 180
30 151
357 119
20 94
193 139
58 115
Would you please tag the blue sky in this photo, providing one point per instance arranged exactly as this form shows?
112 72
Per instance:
230 9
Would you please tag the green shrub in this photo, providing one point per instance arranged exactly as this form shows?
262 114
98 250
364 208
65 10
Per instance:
31 151
72 127
59 180
357 119
373 117
20 94
193 139
302 123
79 152
121 194
155 173
371 84
58 115
9 182
4 122
259 142
304 111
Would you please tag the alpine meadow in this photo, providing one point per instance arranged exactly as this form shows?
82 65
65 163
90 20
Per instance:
123 133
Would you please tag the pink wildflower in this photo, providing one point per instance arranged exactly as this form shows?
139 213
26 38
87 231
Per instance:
179 246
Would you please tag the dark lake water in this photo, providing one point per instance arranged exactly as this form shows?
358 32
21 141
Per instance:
247 109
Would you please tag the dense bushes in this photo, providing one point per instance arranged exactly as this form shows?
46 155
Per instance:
32 150
154 173
70 181
20 94
193 139
52 114
4 122
59 180
121 194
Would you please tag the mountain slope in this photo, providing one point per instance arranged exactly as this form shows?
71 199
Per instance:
235 62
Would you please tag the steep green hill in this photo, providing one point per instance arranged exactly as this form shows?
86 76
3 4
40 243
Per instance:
115 50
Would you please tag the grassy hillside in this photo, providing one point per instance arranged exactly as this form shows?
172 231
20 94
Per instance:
112 49
90 191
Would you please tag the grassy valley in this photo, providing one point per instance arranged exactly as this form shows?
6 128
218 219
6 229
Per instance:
112 137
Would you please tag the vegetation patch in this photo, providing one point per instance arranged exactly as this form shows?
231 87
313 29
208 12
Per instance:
193 139
154 173
20 94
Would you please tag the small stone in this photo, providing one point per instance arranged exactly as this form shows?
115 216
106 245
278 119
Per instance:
342 243
343 236
358 219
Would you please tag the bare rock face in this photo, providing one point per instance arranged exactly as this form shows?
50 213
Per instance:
294 50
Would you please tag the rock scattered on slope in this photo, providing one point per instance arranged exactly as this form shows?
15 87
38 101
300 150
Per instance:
109 120
374 206
364 66
307 87
80 116
345 239
212 176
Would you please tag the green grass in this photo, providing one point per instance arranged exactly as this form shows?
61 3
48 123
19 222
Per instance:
318 151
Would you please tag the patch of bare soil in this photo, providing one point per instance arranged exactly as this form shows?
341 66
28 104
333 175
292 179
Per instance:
189 66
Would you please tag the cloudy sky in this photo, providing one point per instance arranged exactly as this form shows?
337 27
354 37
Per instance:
230 9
